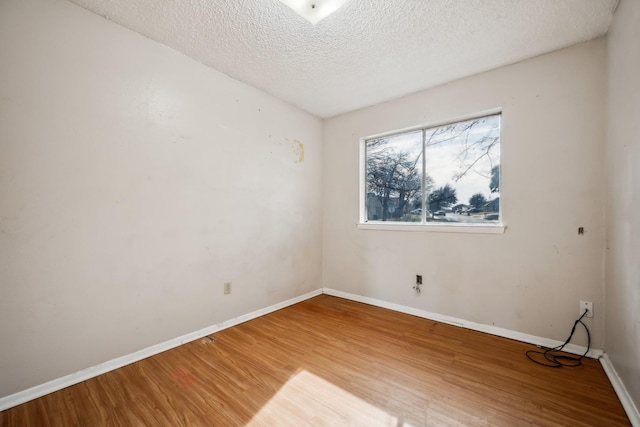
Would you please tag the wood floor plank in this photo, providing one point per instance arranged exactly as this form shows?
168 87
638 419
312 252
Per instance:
330 361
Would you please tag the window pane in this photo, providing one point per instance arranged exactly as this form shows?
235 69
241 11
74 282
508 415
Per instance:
394 178
463 171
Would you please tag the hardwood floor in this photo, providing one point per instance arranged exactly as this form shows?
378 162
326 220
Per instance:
333 362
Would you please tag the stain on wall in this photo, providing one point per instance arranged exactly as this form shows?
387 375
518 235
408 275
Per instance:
298 149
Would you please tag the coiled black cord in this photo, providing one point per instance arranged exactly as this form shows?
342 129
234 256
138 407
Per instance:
551 359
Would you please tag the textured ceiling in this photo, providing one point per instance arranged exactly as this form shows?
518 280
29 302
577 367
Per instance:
368 51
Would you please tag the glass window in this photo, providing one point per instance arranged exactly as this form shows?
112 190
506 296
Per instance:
441 174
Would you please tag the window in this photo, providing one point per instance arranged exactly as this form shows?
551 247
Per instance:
448 174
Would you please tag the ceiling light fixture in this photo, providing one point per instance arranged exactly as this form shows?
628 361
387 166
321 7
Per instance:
314 11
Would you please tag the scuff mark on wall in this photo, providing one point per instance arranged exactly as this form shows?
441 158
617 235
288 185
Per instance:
298 149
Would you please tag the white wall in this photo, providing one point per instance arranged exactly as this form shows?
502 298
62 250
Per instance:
133 183
623 197
531 278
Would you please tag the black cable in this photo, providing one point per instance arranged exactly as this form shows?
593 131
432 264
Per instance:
553 360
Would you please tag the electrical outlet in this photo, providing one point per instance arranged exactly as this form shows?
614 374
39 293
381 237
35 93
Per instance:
227 287
586 305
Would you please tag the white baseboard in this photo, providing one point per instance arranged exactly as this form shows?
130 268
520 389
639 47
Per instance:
85 374
621 391
493 330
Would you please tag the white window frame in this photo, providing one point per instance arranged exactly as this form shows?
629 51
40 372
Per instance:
363 224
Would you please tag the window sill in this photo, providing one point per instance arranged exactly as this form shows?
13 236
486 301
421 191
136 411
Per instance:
440 228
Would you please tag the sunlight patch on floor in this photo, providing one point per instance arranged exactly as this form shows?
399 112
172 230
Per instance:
307 399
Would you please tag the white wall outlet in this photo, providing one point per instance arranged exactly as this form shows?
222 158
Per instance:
227 287
586 305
